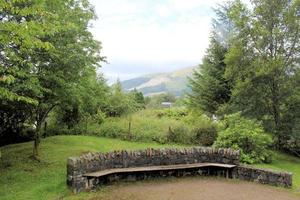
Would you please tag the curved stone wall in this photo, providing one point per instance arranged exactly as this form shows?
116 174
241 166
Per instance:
92 162
263 176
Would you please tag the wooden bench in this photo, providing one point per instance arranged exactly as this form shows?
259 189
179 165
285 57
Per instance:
92 169
106 172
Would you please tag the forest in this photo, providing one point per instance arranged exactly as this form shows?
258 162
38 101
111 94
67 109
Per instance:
244 95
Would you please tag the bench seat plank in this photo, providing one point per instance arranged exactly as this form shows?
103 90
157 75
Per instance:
156 168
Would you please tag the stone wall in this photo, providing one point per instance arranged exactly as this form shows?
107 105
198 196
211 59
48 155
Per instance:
263 176
91 162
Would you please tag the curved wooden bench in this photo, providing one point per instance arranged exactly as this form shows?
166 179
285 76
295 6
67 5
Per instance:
158 168
140 173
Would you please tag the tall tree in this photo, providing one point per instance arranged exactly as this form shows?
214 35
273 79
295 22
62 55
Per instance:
86 98
21 29
263 59
60 49
209 89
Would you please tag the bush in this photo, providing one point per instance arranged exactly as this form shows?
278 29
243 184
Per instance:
246 135
292 146
173 113
205 136
99 117
63 130
113 130
179 134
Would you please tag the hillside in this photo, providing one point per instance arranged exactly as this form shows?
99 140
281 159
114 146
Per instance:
173 82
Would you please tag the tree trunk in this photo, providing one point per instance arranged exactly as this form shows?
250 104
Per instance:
129 128
37 140
45 130
276 114
86 126
40 119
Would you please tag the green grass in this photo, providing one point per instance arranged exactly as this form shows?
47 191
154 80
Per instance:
284 162
23 178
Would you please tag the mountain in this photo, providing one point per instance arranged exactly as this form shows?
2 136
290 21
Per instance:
173 82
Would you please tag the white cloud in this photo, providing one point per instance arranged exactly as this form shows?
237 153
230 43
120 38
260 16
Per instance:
155 35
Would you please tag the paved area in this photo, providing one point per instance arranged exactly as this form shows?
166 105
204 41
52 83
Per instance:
194 189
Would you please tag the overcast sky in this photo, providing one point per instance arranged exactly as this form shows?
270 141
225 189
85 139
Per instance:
151 36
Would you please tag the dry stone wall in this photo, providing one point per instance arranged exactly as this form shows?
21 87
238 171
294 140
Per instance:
263 176
92 162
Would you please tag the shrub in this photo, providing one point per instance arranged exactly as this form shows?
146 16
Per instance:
173 113
292 146
179 134
205 136
113 130
246 135
99 117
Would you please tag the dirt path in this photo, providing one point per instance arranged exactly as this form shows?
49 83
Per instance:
195 189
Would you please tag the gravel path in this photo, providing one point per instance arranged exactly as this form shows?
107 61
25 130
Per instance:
195 189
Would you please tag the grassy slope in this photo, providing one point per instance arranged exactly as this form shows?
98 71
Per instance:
23 178
283 162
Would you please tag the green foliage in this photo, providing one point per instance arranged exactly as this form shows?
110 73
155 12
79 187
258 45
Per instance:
120 103
174 113
209 88
292 146
147 125
252 66
263 63
179 135
205 136
88 99
99 117
138 99
247 136
47 51
112 130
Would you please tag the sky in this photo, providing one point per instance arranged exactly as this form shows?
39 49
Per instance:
151 36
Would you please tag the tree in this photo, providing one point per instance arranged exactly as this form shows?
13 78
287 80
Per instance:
50 50
20 27
139 99
263 61
246 135
119 103
88 98
209 88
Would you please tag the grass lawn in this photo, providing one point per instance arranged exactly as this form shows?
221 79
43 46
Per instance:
24 178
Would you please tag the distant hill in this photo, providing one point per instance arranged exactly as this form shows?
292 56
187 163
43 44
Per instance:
173 82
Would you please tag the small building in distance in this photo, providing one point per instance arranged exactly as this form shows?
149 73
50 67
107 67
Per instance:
166 104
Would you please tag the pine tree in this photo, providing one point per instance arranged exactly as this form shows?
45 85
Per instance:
209 89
